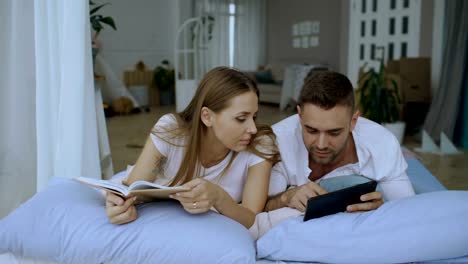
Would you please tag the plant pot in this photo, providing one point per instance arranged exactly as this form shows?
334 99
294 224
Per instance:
166 97
94 53
397 129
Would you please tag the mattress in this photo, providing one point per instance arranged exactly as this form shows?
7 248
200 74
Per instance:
422 179
9 258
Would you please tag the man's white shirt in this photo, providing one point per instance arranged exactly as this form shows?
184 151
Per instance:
378 151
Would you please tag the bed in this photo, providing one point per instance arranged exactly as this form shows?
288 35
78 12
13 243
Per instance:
69 230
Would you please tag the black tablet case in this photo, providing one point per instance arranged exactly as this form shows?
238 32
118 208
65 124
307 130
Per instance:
337 201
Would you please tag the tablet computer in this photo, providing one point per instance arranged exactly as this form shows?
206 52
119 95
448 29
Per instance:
337 201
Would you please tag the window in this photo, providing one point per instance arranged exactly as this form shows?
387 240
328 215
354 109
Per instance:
391 30
390 51
361 52
232 21
404 25
405 3
404 46
363 28
374 27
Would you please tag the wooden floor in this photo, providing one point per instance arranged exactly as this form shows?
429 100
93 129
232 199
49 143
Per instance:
128 133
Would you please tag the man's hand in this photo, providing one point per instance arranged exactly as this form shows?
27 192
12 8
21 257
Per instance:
297 197
371 201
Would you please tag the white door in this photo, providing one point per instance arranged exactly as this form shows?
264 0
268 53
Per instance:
384 29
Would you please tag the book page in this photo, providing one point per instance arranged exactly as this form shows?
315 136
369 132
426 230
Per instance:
151 191
104 184
144 185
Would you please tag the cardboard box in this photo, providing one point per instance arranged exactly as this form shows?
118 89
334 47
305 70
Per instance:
143 77
414 78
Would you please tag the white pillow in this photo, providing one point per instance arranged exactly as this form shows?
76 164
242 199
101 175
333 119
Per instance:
67 223
427 226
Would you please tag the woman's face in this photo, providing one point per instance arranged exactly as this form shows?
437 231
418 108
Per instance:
235 125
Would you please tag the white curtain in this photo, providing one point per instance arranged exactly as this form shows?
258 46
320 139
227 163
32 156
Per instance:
250 38
47 97
218 46
17 104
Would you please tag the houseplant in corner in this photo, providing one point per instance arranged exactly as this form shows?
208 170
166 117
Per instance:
97 24
164 81
379 100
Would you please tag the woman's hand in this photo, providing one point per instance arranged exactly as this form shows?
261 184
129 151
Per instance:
120 211
202 195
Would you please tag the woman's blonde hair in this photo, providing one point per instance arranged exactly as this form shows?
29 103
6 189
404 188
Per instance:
215 90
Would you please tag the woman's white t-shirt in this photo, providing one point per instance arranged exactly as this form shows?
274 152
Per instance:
232 181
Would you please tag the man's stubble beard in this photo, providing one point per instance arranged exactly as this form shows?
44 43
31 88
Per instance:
332 158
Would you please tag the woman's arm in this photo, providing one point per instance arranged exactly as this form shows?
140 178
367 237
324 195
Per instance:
204 195
149 163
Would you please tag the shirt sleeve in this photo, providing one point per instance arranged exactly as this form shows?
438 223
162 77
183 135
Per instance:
389 167
254 160
396 184
278 179
160 136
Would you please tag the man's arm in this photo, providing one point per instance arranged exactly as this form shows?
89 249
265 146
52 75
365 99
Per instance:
276 201
295 197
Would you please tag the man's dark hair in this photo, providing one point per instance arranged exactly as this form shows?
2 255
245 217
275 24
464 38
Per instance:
326 89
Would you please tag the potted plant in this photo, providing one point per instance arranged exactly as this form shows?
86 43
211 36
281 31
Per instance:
379 100
97 24
164 81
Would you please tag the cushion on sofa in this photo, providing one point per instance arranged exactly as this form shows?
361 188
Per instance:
265 77
277 71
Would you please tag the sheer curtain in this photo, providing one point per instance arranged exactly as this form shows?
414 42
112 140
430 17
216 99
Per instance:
447 101
218 46
17 104
48 114
250 28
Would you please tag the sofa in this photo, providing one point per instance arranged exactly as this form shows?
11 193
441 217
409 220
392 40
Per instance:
269 81
280 83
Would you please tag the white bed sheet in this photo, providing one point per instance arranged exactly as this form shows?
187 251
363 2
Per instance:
10 258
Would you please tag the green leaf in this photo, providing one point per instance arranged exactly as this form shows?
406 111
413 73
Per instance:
109 21
94 10
378 96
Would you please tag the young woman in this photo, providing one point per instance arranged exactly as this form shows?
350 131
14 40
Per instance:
213 148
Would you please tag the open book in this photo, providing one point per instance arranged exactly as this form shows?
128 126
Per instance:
138 188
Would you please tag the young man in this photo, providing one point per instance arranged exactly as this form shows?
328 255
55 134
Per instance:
326 139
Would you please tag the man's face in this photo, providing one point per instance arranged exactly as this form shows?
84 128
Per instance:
326 132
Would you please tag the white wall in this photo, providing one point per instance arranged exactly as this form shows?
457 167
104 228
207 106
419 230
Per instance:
282 14
146 30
